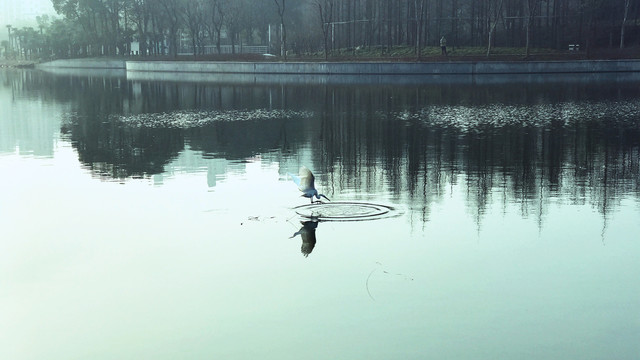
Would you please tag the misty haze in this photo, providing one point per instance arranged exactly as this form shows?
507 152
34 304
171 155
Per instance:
320 179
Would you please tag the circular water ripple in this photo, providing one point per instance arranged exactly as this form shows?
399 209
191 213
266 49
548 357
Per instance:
345 211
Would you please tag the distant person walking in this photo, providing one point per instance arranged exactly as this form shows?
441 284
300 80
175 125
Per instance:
443 45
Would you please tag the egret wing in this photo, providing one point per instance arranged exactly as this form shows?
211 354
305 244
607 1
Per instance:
306 179
295 178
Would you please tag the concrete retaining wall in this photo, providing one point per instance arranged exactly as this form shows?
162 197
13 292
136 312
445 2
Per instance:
368 80
439 68
372 68
84 64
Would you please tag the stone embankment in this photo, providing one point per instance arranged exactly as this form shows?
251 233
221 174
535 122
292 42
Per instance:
85 64
387 68
344 71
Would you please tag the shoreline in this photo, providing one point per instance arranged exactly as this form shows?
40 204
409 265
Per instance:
352 68
17 64
387 68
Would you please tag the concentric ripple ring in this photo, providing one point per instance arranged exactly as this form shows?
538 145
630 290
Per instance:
345 211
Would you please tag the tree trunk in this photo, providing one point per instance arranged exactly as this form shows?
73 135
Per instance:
283 30
419 8
528 40
624 20
325 12
532 9
493 26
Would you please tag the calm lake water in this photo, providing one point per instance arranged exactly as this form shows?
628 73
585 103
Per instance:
148 219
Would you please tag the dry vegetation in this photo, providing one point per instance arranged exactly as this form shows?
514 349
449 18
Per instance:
407 54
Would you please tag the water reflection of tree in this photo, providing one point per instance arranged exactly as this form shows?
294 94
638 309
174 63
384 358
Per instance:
120 152
370 140
415 143
373 140
380 142
115 149
106 146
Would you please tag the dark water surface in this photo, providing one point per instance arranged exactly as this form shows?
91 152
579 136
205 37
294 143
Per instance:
155 219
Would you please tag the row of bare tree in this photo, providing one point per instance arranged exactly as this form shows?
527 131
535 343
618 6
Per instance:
512 23
163 26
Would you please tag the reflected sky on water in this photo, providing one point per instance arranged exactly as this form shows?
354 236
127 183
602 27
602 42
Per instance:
155 218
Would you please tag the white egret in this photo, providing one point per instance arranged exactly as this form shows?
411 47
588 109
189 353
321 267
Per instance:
305 182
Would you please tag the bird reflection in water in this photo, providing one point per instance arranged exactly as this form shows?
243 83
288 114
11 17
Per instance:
308 234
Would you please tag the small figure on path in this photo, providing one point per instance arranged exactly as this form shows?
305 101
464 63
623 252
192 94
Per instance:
443 45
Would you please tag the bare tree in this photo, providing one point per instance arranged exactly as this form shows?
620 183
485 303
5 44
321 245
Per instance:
141 19
420 7
624 21
532 8
172 17
492 26
214 20
590 9
325 13
109 24
114 10
10 41
283 30
233 21
193 16
263 16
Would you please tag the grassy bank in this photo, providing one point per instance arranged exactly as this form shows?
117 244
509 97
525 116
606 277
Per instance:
398 54
433 53
428 54
17 63
470 54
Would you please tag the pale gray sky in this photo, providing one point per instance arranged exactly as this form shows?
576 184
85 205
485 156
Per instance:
19 13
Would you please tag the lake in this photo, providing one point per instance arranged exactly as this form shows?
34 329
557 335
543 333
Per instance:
155 219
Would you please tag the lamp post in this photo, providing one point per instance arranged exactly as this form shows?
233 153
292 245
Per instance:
10 43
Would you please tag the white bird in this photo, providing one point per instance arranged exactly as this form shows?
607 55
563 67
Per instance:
305 182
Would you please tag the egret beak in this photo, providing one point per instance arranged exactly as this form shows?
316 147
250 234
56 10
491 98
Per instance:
320 195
